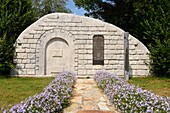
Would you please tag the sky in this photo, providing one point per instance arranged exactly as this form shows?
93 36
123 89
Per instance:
74 9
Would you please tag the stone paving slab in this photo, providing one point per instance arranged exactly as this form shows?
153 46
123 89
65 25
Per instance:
88 98
93 111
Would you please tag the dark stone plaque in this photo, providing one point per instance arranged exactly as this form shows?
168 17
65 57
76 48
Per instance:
98 50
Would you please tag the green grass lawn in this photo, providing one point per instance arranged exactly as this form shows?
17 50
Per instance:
160 86
13 90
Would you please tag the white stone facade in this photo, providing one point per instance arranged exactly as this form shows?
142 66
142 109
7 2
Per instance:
64 42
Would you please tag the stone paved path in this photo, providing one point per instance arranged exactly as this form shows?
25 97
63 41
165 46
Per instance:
88 98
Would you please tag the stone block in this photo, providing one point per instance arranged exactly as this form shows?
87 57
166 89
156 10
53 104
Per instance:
76 60
80 46
121 62
113 42
28 36
20 50
88 56
18 61
98 67
32 41
31 71
132 47
143 57
93 111
103 106
120 67
119 72
134 57
110 62
81 62
89 51
106 62
107 42
132 52
140 72
32 32
37 36
82 72
30 66
30 50
90 62
26 61
38 28
80 56
25 46
81 67
22 55
20 66
107 57
110 28
88 46
119 47
76 68
22 71
82 51
133 42
89 67
107 51
72 25
119 52
111 47
90 42
25 41
107 67
47 28
39 32
120 42
118 33
33 46
31 56
133 62
36 67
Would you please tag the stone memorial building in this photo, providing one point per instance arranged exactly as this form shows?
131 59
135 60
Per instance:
65 42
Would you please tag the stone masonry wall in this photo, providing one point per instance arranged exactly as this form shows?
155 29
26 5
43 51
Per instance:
78 31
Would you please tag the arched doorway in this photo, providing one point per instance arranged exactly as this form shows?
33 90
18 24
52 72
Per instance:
57 56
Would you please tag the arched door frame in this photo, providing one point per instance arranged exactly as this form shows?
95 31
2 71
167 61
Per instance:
42 46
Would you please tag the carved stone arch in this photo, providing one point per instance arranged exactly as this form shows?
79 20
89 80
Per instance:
53 36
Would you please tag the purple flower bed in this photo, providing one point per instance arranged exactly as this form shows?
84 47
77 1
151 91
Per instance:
128 98
54 98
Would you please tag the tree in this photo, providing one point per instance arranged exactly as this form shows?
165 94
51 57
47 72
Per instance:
118 12
156 27
43 7
15 16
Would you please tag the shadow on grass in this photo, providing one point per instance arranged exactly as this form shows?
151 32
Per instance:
7 77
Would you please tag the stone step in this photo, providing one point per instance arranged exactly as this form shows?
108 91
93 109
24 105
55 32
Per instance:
93 111
84 77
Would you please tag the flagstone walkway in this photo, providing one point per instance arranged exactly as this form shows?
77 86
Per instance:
88 98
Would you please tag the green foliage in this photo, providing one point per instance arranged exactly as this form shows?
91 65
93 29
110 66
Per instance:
15 16
6 54
121 13
117 12
43 7
156 30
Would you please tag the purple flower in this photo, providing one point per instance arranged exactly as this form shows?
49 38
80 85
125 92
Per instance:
54 98
129 98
